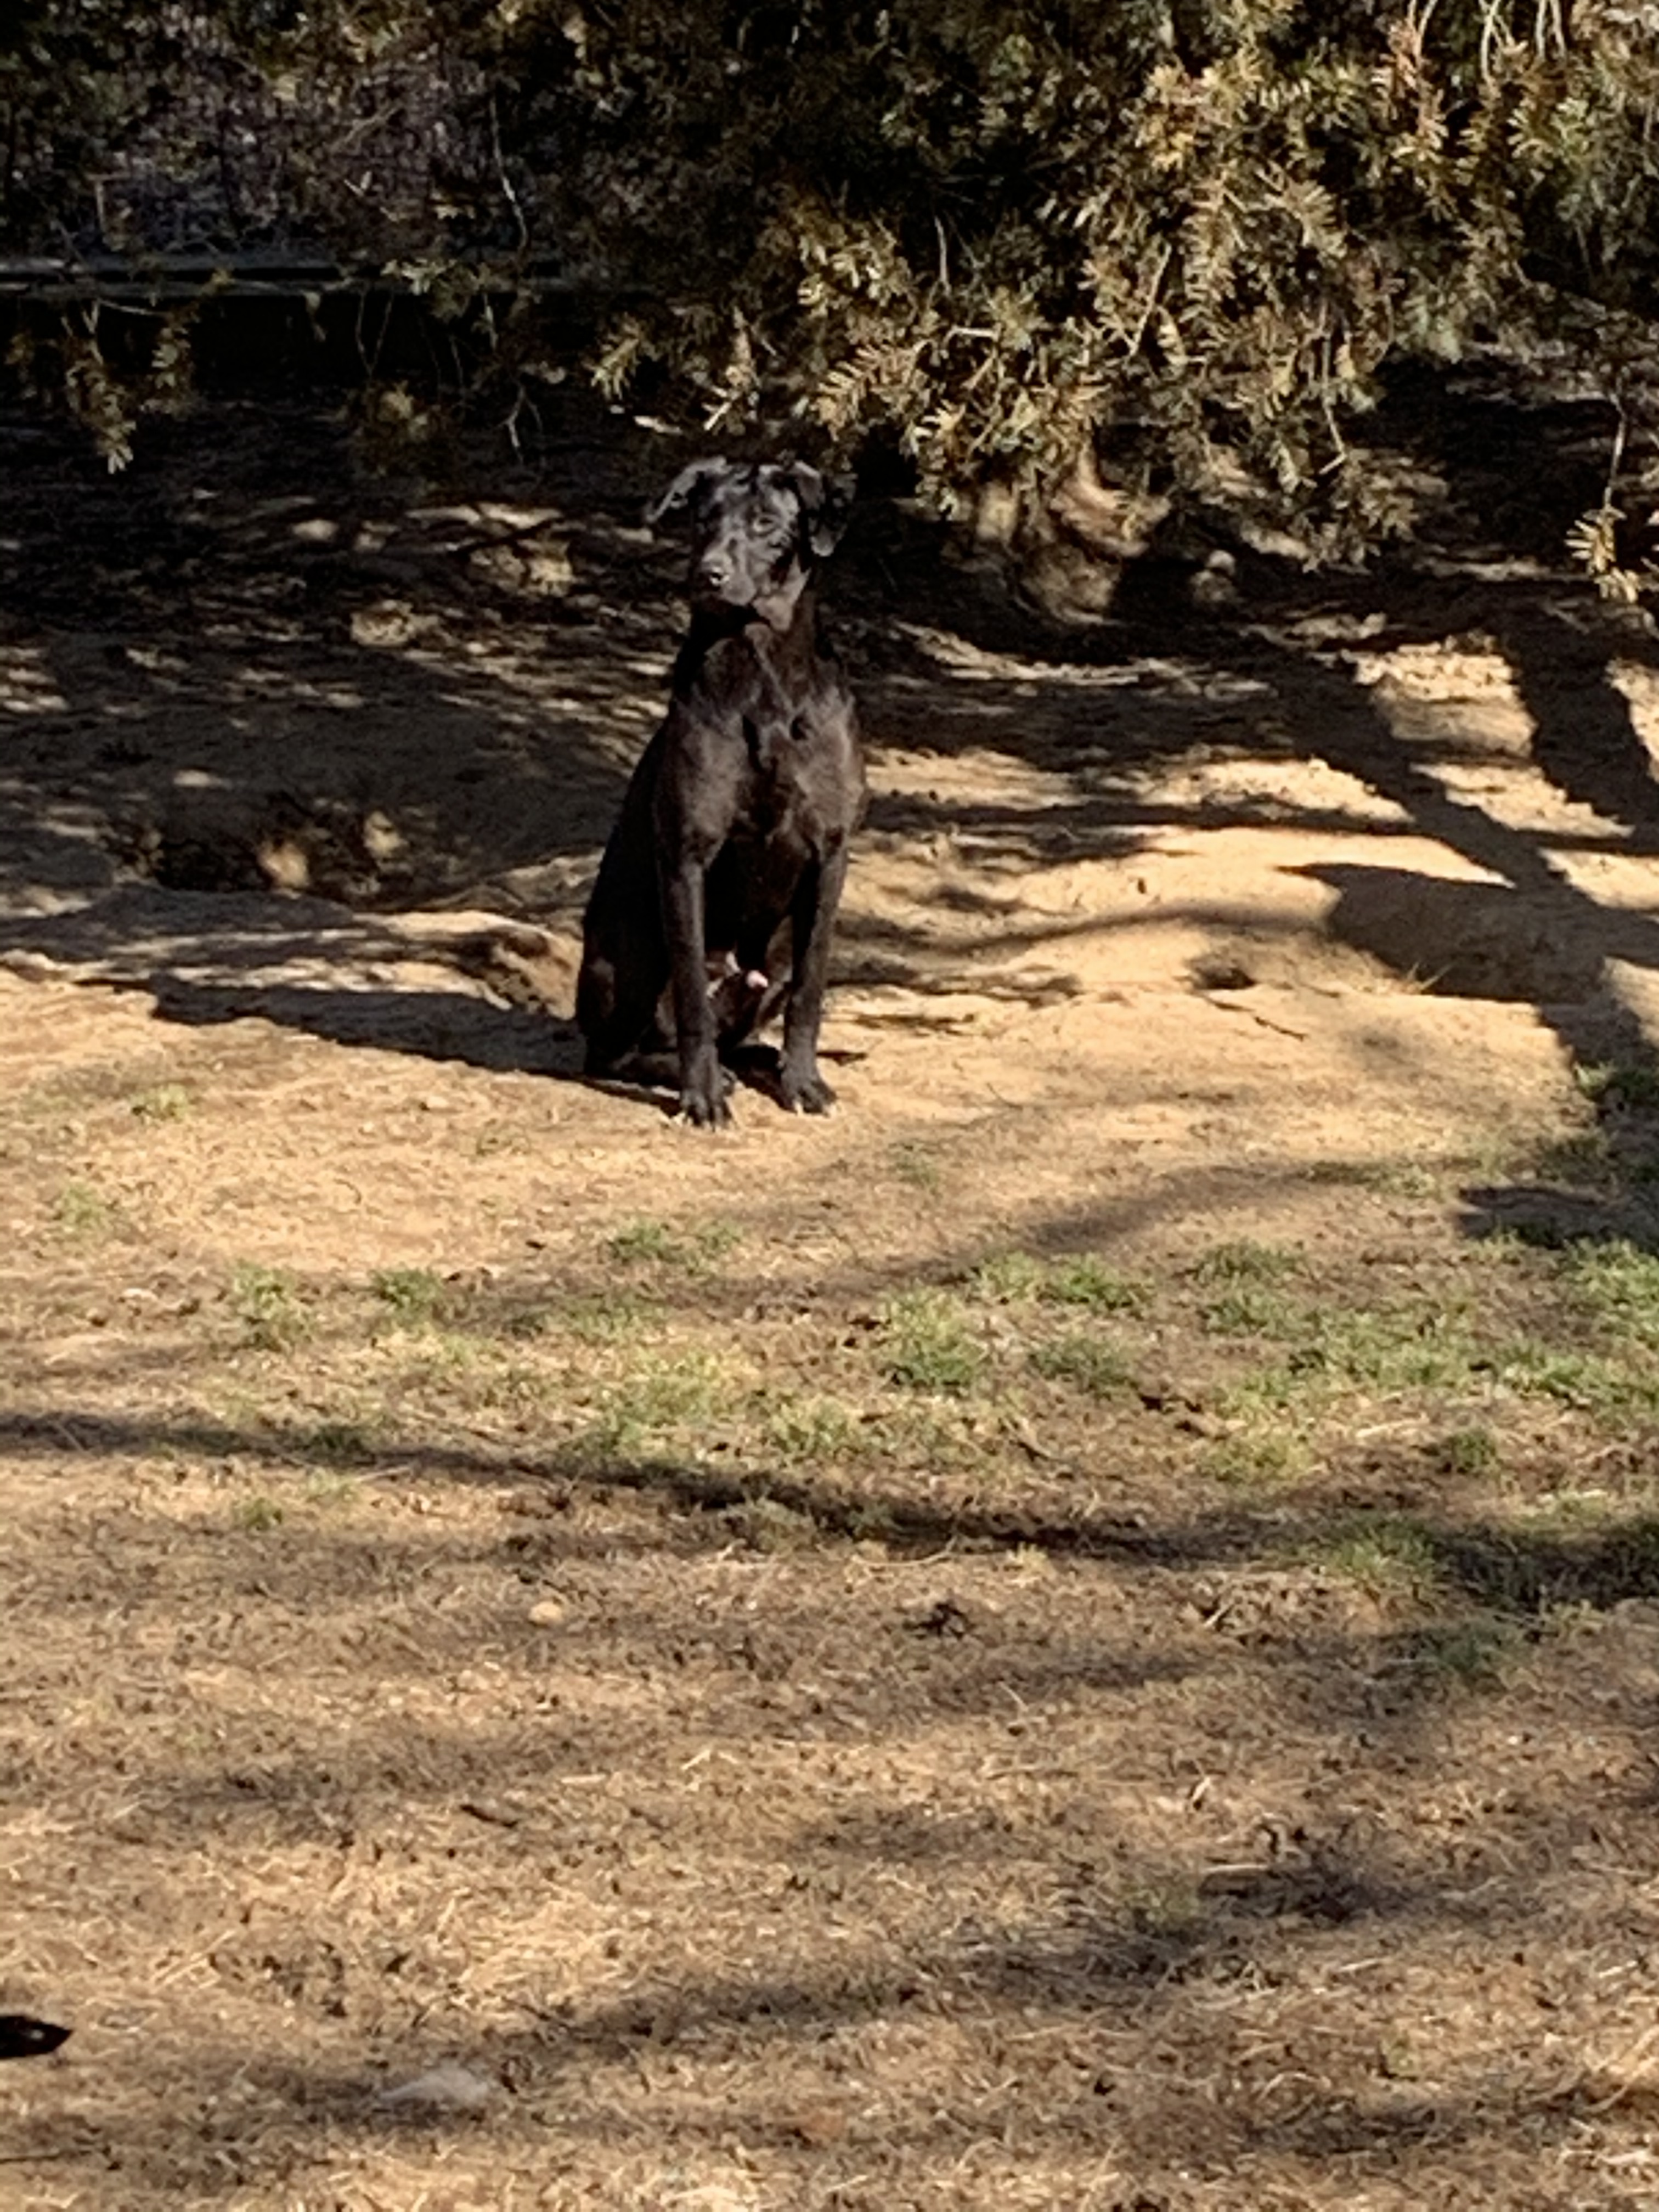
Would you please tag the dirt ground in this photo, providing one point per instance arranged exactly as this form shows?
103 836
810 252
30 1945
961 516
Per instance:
1084 1632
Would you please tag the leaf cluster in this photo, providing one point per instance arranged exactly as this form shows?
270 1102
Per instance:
1062 255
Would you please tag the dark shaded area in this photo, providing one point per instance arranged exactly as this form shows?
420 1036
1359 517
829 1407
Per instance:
1524 1572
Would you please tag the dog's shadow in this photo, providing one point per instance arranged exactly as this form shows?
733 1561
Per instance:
489 995
428 1024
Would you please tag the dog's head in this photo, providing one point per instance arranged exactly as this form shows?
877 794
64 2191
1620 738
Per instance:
756 530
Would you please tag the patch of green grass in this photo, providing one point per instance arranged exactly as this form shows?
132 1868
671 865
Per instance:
644 1243
1275 1387
257 1514
414 1297
813 1431
1618 1283
1468 1452
1633 1083
453 1370
1268 1457
525 1324
1253 1309
932 1432
693 1249
606 1316
509 1382
1390 1349
926 1343
1080 1280
80 1210
269 1304
331 1491
1170 1909
163 1102
1388 1555
1088 1363
341 1443
1242 1260
444 1356
1611 1390
1382 1352
1571 1508
656 1397
1008 1279
1503 1247
1084 1281
711 1241
1472 1654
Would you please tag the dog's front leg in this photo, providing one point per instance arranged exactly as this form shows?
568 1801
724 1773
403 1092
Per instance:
703 1085
812 923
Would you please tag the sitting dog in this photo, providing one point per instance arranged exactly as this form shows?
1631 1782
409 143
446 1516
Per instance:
732 838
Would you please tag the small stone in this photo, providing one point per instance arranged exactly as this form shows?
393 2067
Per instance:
448 2088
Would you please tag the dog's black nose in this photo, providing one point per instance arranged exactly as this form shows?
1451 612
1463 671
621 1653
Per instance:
712 573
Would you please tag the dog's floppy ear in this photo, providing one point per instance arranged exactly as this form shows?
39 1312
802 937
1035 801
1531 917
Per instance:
824 502
687 488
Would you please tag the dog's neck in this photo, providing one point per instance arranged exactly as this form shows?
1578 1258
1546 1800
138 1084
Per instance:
779 627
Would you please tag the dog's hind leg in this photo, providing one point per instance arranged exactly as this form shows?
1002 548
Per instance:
616 999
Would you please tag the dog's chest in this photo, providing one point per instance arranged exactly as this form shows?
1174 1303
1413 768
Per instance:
777 767
789 773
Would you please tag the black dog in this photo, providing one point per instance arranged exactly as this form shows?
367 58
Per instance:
737 816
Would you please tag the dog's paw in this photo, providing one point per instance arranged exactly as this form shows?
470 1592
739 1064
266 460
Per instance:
804 1090
705 1101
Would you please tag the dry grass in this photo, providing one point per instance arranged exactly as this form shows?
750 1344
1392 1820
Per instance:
1073 1636
878 1755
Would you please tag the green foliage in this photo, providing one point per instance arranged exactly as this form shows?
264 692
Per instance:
1086 1281
1036 243
1011 1278
696 1249
269 1304
926 1345
1087 1363
1073 261
79 1209
412 1295
163 1102
1619 1283
1469 1452
1242 1260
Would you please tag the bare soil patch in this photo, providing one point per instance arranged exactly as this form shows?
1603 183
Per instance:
1085 1633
